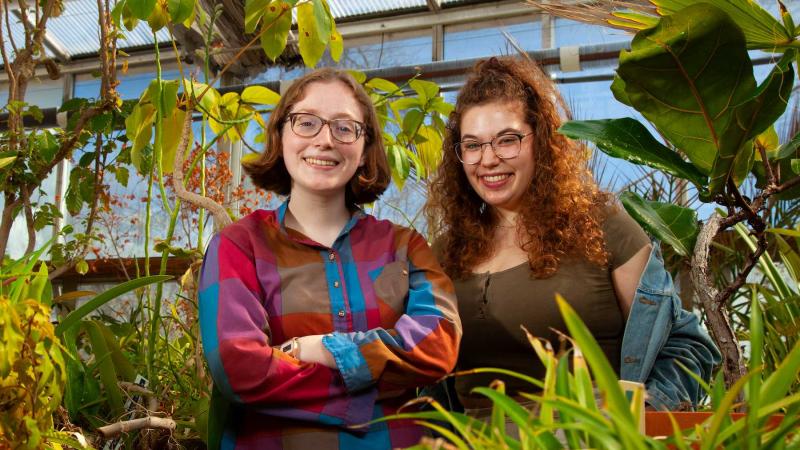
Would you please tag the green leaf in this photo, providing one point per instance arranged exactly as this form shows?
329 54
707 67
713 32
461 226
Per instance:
795 164
253 10
122 175
322 20
604 374
751 119
75 316
169 97
314 32
40 288
404 103
412 121
139 129
105 365
629 140
116 13
82 267
789 148
379 84
210 99
692 78
73 104
426 90
441 106
278 17
180 10
123 367
129 20
672 224
761 30
399 165
141 9
260 95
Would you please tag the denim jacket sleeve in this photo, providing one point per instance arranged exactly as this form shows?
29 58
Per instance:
658 333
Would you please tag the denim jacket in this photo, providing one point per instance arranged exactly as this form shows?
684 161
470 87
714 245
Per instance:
659 331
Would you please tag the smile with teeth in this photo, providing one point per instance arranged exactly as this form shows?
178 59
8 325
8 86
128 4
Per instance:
320 162
495 178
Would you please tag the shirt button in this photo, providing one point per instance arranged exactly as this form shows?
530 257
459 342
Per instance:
331 256
335 284
341 313
405 272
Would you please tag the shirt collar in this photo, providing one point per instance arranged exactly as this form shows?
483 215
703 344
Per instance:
354 219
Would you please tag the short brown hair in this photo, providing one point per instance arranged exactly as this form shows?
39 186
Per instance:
563 209
371 179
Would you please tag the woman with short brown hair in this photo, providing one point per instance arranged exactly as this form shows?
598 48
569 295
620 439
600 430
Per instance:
316 317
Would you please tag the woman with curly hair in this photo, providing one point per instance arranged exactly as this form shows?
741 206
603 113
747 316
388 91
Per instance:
516 218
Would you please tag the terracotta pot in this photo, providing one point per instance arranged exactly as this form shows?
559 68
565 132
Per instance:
657 423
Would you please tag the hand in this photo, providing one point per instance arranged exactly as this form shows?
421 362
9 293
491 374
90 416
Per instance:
311 350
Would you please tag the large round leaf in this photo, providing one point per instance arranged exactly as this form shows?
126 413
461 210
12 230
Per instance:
692 78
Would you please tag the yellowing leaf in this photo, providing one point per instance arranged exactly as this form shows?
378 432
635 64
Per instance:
6 161
171 136
336 43
260 96
312 39
278 17
158 18
430 151
769 141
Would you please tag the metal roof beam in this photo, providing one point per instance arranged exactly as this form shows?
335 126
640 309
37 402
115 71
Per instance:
449 16
50 42
434 5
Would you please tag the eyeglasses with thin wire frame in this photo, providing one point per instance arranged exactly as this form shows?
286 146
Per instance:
504 146
345 131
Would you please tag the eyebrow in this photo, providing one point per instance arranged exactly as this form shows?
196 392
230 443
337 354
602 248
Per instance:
508 130
317 113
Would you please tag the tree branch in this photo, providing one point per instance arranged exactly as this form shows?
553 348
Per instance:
149 422
26 206
221 218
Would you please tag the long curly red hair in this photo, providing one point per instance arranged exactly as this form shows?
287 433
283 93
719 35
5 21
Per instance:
565 209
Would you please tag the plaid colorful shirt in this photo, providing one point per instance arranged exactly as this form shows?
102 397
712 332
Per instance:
378 294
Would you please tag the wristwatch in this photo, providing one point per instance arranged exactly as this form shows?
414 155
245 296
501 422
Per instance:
291 347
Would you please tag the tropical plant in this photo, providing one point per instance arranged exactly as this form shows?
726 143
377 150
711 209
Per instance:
567 414
689 74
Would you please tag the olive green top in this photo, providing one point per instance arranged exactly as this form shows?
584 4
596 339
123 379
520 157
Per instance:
492 307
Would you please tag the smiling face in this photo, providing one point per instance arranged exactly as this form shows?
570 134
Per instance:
501 183
320 165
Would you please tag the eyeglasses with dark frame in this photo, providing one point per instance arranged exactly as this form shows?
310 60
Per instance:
504 146
345 131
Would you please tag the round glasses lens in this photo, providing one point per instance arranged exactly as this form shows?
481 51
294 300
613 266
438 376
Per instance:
306 124
506 146
469 151
344 130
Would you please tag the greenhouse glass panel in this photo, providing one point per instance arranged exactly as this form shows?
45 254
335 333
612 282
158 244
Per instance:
488 39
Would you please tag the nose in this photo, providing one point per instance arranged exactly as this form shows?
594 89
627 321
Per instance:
325 137
488 158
